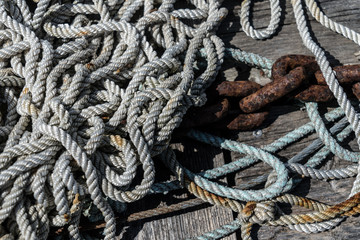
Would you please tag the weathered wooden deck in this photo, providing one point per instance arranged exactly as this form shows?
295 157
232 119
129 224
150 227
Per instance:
283 119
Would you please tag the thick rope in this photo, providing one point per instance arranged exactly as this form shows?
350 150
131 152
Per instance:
94 101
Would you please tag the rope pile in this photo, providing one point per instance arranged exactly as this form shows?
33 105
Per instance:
91 92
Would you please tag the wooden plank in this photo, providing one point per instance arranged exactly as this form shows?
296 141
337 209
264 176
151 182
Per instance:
288 40
185 224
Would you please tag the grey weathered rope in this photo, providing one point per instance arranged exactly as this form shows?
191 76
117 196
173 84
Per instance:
325 68
90 86
327 22
273 25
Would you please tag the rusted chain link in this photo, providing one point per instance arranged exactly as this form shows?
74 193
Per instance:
296 76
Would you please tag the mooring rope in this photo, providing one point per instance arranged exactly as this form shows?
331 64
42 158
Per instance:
92 91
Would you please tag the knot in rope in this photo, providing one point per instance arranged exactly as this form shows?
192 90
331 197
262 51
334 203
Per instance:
258 212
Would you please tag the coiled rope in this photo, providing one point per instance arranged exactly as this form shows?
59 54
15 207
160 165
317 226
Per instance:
92 91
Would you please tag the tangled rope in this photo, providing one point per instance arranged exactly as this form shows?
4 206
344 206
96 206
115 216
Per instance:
92 91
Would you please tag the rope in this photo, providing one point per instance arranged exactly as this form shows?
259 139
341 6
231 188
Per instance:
273 25
101 88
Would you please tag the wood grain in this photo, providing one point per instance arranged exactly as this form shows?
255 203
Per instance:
185 224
